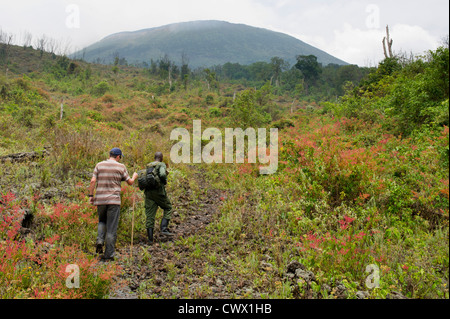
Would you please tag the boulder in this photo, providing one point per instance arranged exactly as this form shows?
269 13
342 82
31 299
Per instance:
294 265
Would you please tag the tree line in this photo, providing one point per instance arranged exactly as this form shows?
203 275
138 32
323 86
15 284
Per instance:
42 43
307 77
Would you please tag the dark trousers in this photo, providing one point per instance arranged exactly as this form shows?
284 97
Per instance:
153 200
108 221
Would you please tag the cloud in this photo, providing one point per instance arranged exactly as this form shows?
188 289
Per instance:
353 30
338 27
361 47
365 48
413 38
99 20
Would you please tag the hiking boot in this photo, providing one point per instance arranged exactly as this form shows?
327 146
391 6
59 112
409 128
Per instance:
106 259
99 249
164 227
150 235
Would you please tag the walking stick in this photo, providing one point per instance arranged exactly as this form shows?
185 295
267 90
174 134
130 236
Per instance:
132 228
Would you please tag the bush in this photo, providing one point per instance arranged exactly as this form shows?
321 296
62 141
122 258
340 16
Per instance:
100 89
116 125
215 112
36 269
108 98
75 148
282 124
209 100
96 116
410 96
248 110
26 116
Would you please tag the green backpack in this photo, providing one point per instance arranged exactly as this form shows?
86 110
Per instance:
148 179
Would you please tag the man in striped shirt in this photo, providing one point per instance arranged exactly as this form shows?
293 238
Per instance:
108 175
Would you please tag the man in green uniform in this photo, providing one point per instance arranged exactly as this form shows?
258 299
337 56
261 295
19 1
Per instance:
158 198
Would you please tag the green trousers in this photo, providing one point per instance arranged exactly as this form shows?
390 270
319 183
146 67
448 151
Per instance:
153 200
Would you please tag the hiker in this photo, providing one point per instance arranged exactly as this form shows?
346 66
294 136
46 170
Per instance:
157 197
108 176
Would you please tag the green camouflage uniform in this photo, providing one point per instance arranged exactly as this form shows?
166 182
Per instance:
157 197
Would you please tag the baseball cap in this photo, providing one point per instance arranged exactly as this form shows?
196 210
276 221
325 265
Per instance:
116 152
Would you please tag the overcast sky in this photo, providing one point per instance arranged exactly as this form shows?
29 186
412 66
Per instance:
351 30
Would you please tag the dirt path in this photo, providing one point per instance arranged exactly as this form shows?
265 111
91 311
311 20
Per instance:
150 264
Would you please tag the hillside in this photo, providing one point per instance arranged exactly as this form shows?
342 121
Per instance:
205 43
358 208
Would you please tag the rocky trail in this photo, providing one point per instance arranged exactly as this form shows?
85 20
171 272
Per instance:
151 265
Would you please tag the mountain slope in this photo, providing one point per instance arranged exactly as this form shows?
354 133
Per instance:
204 43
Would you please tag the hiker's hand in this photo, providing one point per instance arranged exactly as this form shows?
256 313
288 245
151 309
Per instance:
91 200
135 175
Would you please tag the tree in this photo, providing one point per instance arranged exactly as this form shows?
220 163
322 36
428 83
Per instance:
185 70
116 58
153 67
247 110
41 44
388 41
166 69
65 48
260 71
211 79
184 65
235 71
52 45
296 94
26 38
278 67
6 41
438 73
310 68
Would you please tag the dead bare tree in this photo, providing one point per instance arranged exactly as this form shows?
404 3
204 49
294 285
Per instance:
52 45
26 39
405 58
2 36
387 41
445 41
61 110
6 41
6 38
65 47
41 44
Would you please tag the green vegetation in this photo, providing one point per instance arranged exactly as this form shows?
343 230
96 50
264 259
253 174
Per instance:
404 97
362 181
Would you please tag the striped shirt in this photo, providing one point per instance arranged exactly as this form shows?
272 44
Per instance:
109 175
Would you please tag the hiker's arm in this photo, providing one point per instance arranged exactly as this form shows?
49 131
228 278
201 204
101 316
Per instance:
132 180
163 173
91 188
